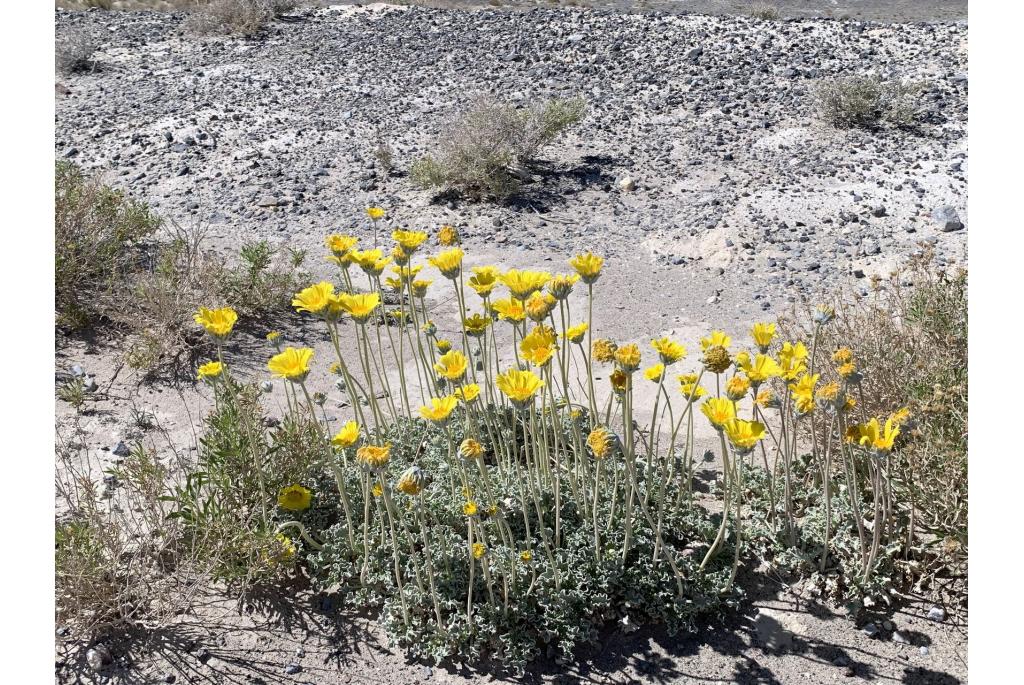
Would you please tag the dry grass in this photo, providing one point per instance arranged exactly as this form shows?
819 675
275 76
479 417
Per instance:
73 52
764 11
237 17
868 102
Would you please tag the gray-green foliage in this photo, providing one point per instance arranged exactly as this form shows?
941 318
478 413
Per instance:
484 151
237 17
868 102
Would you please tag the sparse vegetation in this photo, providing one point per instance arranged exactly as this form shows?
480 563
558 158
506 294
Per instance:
487 150
74 51
764 11
237 17
868 102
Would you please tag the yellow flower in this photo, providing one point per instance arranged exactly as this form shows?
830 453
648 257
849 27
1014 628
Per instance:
843 355
588 266
628 357
366 258
449 263
447 236
443 346
273 337
377 490
743 435
412 481
400 256
476 325
539 305
394 283
763 334
439 409
292 363
719 410
823 314
347 436
339 245
655 373
560 286
873 435
519 386
294 498
522 284
469 508
848 369
716 358
539 346
526 556
900 416
600 441
471 450
452 365
669 350
604 350
419 287
509 309
803 392
575 333
286 549
849 403
374 457
619 380
483 280
479 550
360 306
217 322
210 370
344 261
409 240
314 299
761 369
375 213
827 393
737 387
766 399
468 393
716 339
691 391
407 273
791 360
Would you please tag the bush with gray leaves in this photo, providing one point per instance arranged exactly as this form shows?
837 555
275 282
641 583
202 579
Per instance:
74 51
868 102
237 17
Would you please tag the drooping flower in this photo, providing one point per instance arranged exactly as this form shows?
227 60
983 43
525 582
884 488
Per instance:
217 322
655 373
668 350
604 350
374 457
619 380
471 450
294 498
509 309
412 481
743 435
449 262
361 306
763 334
718 410
628 357
483 280
315 298
409 240
561 285
737 387
467 393
452 365
588 266
210 371
539 305
715 339
447 236
439 409
347 436
375 213
476 325
519 386
522 284
600 441
575 333
291 363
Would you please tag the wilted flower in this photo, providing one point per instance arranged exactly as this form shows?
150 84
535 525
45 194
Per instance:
766 399
428 328
604 350
412 481
539 305
600 441
449 263
471 449
588 266
292 364
823 314
210 370
374 457
294 498
619 380
828 396
439 409
560 286
842 355
347 436
217 322
519 386
452 365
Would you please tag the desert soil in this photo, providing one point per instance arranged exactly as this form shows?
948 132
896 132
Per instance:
743 207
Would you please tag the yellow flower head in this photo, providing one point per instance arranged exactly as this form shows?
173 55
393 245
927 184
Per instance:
483 280
409 240
443 346
539 305
366 258
294 498
428 328
469 508
719 410
619 380
743 435
439 409
575 333
792 360
476 325
761 369
737 387
479 550
291 363
412 481
519 386
823 314
716 339
803 392
604 350
539 346
377 490
467 393
315 298
374 457
452 365
339 245
689 388
375 213
210 371
843 355
471 450
285 549
763 334
560 286
360 306
522 284
347 436
669 350
873 436
588 266
849 403
407 273
217 322
655 373
716 358
847 370
827 394
526 556
601 441
449 262
419 287
900 416
628 357
509 309
448 236
400 256
766 399
273 337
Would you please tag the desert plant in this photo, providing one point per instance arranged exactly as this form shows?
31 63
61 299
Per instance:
763 11
237 17
868 102
74 51
485 150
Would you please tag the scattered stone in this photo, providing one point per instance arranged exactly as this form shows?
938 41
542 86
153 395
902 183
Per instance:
121 449
937 614
871 630
947 219
900 638
627 184
292 669
98 658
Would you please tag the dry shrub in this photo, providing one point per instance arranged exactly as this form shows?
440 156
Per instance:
868 102
764 11
237 17
484 151
74 51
